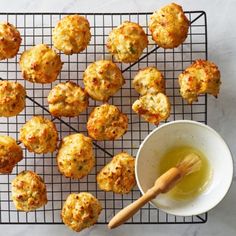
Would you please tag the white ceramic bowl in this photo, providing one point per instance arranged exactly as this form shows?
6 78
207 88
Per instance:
199 136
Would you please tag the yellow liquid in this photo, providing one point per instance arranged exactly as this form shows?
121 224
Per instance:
191 185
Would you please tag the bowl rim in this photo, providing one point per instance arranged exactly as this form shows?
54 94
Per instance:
229 182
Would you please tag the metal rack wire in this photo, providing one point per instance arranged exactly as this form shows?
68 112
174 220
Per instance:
37 28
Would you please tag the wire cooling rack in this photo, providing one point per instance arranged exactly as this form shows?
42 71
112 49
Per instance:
37 28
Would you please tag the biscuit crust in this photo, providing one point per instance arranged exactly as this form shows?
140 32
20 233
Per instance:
199 78
40 64
71 34
12 98
102 79
39 135
80 211
75 157
118 175
10 154
153 107
169 26
107 122
67 99
28 191
10 41
127 42
149 80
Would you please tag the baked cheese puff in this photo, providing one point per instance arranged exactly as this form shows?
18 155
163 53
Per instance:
118 175
12 98
10 154
67 99
153 107
75 157
107 122
10 41
80 211
39 135
40 64
71 34
102 79
127 42
28 191
199 78
169 26
149 80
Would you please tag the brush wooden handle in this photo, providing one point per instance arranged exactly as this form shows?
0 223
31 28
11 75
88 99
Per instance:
163 184
123 215
168 180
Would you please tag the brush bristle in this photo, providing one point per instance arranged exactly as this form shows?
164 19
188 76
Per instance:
190 164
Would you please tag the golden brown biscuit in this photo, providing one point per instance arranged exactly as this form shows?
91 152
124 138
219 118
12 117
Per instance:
80 211
71 34
127 42
107 122
39 135
153 107
199 78
67 99
102 79
28 191
40 64
75 157
118 175
12 98
169 26
149 80
10 41
10 154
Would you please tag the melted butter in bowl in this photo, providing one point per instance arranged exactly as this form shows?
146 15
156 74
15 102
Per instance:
191 185
165 147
